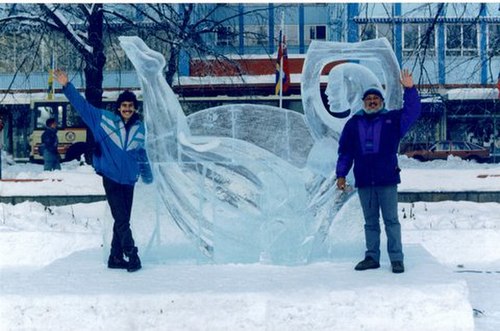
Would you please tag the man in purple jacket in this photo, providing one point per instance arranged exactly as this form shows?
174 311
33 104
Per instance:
370 141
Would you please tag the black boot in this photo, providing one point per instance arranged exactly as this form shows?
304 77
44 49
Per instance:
368 263
117 262
398 267
134 263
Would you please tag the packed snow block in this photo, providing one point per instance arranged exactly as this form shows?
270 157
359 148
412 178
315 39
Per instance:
75 294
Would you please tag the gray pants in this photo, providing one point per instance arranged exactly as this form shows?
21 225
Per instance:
385 199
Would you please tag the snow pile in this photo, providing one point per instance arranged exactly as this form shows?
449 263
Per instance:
54 276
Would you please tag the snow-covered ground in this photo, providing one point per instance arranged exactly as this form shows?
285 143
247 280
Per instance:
53 275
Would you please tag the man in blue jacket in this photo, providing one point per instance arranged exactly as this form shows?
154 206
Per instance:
370 141
120 159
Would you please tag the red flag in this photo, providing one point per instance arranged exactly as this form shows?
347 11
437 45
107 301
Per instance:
285 71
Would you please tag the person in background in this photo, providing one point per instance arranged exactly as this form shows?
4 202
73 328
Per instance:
51 158
1 144
370 141
120 158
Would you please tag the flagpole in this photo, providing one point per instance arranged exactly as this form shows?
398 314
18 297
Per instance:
50 91
282 55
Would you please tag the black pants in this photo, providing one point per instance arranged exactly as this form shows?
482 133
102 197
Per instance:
120 199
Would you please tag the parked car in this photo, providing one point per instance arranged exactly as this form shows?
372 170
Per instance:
443 149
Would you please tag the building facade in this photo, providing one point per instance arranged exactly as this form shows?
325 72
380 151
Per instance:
452 48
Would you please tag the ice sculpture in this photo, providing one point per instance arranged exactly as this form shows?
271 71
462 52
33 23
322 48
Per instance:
250 183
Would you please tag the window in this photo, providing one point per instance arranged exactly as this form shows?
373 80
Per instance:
256 35
459 146
226 36
461 39
372 31
291 34
317 32
368 31
314 32
73 119
418 38
442 146
494 39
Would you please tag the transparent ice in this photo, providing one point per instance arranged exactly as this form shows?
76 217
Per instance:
252 183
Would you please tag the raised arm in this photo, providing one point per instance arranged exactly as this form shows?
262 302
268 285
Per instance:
406 78
61 77
411 102
90 114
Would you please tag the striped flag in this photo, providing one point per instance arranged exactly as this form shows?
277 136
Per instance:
282 68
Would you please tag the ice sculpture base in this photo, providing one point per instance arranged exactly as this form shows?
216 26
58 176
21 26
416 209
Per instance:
320 296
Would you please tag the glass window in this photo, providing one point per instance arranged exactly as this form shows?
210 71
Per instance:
427 36
410 36
469 39
442 146
458 146
44 112
461 39
291 34
372 31
453 39
256 35
368 31
314 32
73 119
226 36
385 31
494 39
319 32
418 38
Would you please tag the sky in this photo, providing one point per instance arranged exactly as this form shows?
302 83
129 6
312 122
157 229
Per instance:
54 277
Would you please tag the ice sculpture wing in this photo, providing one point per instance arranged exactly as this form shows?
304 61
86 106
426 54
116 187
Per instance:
376 55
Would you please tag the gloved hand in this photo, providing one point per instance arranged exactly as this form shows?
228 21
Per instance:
144 167
145 172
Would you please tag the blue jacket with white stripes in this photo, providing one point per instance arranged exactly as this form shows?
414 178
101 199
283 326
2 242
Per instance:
122 153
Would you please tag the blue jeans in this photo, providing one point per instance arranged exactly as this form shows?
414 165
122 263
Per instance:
51 161
373 200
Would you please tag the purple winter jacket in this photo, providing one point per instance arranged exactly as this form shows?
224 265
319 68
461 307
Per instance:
371 142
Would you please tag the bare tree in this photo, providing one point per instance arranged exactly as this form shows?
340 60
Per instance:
192 28
92 29
81 25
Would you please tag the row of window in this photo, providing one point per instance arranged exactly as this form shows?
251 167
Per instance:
258 35
460 39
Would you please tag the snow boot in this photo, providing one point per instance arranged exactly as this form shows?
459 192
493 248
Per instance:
368 263
398 267
134 263
117 262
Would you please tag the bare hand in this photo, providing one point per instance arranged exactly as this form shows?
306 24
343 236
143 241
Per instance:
406 78
61 77
341 184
